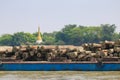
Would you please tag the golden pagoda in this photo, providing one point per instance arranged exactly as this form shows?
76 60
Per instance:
39 38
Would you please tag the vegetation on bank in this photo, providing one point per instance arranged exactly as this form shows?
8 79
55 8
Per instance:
69 35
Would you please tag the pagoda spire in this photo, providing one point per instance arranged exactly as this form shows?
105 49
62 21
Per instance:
39 38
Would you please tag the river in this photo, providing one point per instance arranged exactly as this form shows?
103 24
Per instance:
59 75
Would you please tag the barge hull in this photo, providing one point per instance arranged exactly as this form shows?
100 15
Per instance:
58 66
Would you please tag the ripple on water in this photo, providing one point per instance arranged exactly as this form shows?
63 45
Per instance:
59 75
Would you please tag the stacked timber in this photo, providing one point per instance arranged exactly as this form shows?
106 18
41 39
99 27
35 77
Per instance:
106 50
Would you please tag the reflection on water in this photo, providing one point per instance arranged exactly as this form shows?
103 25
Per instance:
59 75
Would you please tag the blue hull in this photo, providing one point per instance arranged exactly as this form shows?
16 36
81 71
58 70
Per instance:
59 66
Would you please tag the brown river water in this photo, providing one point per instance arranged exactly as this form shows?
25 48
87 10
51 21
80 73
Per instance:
59 75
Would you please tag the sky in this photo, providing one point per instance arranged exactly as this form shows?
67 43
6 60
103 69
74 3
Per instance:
52 15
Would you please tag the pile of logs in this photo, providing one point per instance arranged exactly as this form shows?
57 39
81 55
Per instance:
86 52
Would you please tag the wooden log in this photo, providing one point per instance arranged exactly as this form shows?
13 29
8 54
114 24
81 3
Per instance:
117 49
81 56
110 51
31 53
39 55
95 45
25 55
116 54
108 44
105 53
72 54
93 54
88 52
117 42
86 46
4 48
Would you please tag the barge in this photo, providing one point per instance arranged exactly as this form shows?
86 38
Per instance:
88 57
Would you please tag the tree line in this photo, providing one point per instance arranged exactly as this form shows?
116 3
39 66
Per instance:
71 34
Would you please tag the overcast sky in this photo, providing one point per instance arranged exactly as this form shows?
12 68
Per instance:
52 15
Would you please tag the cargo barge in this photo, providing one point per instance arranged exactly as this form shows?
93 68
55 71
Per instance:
87 57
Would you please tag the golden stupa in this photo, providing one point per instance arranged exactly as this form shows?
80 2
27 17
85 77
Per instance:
39 38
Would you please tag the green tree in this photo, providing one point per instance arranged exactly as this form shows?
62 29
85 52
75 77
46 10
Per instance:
21 38
65 33
6 39
78 35
107 31
49 38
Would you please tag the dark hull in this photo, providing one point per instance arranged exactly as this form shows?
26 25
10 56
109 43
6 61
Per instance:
59 66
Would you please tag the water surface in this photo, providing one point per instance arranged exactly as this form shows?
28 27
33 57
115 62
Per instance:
59 75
